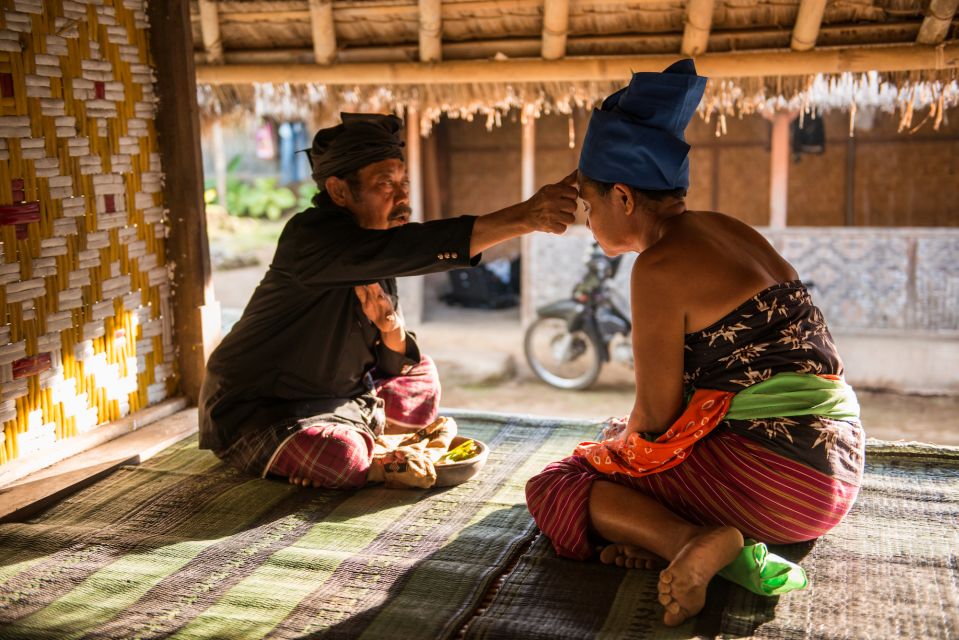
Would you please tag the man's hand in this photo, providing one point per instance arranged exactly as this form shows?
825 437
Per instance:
378 307
553 207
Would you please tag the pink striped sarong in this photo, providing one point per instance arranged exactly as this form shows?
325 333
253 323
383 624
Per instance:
335 455
727 480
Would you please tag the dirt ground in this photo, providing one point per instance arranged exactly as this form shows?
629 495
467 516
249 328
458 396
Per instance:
885 415
474 334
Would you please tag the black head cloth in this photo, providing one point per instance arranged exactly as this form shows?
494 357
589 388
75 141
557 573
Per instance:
360 140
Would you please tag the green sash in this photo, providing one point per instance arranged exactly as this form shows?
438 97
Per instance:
795 394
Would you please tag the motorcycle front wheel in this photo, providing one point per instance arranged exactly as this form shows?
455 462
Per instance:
563 359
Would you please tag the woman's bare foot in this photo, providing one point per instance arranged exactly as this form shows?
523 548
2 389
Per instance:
682 585
630 556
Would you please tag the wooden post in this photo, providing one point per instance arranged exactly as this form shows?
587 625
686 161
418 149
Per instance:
414 163
850 219
808 21
412 289
528 153
324 34
219 162
431 30
196 318
714 194
432 189
779 170
699 21
528 189
210 30
555 28
935 26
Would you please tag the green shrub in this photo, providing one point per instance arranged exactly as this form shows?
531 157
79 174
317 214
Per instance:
261 198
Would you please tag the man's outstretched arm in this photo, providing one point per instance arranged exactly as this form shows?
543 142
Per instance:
551 209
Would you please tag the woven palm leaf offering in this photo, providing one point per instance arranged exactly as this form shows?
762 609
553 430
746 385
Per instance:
432 456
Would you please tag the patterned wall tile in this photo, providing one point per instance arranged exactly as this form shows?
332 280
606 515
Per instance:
899 280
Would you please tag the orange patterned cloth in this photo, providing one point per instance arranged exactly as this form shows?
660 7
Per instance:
637 457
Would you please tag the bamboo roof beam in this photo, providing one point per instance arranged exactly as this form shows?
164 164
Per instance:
832 35
361 10
431 30
699 21
555 29
324 35
935 26
618 68
808 22
210 31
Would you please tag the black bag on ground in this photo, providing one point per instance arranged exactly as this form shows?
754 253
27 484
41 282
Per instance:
480 288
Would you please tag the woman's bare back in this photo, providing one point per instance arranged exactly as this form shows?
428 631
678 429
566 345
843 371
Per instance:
720 263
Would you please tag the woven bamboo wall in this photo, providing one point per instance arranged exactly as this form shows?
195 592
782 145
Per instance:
85 333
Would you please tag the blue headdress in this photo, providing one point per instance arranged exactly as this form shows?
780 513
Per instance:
637 137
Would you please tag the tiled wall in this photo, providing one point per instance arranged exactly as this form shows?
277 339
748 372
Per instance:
883 281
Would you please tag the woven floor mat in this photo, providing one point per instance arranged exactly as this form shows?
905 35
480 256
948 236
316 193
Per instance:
184 546
889 570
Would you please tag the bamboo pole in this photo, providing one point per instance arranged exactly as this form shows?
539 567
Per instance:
324 35
431 30
808 22
699 21
935 26
619 68
210 31
555 29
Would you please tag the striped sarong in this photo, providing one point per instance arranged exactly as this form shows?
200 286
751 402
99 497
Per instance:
334 454
728 480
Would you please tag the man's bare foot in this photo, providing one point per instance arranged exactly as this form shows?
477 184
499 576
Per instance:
682 585
304 482
630 556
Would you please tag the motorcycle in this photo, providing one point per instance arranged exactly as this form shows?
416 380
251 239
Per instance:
571 339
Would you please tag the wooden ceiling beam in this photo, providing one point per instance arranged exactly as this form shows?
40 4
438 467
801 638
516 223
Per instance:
935 26
555 29
431 30
210 31
324 35
808 23
699 21
617 68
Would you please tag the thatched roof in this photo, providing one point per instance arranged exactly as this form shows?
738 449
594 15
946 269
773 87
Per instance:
484 56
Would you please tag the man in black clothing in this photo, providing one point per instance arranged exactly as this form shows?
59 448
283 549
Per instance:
321 362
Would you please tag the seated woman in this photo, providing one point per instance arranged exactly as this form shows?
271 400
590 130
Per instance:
742 424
